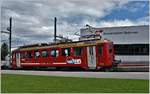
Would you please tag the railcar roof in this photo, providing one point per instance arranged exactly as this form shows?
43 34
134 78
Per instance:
63 44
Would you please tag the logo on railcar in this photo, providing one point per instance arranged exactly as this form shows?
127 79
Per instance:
74 61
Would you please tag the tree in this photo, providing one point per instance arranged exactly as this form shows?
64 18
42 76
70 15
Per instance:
4 51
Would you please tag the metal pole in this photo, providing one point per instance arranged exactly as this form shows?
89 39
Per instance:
55 29
10 31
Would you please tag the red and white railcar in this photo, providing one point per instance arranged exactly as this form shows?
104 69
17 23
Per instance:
92 54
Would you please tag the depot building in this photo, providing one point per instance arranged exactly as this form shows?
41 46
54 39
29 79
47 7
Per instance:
131 42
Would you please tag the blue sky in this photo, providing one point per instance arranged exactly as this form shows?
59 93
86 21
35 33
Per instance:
33 19
132 11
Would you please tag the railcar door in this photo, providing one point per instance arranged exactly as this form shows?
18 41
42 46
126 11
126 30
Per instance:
18 60
91 56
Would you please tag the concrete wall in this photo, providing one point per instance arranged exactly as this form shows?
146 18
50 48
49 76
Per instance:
123 35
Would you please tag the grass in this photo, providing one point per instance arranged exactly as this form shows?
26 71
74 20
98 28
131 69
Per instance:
11 83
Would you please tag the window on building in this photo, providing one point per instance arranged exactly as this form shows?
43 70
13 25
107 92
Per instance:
77 51
145 50
66 52
54 53
132 49
44 53
37 54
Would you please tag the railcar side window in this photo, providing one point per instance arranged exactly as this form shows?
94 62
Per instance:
66 52
29 55
77 51
37 54
25 54
54 53
22 55
44 53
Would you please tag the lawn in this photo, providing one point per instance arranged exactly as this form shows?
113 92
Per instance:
48 84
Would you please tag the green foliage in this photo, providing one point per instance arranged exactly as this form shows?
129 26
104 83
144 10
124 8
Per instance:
4 51
48 84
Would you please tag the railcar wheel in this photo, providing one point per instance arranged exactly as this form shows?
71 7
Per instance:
58 68
108 69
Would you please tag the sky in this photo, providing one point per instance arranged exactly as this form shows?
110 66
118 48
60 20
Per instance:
33 20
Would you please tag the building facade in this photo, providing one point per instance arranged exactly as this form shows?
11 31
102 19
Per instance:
131 42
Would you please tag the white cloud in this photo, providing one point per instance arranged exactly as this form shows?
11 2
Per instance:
33 19
126 22
117 23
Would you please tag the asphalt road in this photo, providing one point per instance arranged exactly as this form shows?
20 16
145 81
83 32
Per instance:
83 74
